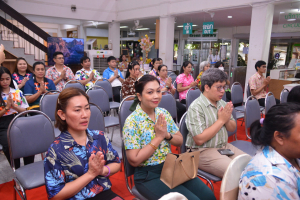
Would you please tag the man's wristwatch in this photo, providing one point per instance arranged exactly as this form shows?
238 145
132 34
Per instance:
118 76
171 137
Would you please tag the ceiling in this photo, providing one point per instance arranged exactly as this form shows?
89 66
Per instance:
240 17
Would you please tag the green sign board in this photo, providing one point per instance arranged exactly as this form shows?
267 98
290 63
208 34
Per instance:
208 28
187 28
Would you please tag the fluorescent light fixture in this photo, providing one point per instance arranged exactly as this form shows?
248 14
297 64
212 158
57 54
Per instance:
180 26
291 19
123 26
296 10
281 12
229 17
142 29
195 25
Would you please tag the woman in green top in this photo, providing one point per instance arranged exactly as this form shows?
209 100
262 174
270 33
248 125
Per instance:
205 65
149 133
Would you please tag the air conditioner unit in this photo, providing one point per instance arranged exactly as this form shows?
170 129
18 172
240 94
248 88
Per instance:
99 59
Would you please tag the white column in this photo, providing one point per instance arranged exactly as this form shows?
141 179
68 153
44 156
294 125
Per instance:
260 36
82 33
114 37
166 40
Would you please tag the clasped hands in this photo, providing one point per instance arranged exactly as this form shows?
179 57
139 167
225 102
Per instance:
224 113
160 127
96 164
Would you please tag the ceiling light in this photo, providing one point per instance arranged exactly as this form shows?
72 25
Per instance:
291 19
229 16
123 26
195 25
142 29
281 12
155 23
296 10
180 26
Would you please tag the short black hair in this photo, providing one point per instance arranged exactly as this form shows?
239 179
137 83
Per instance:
218 64
211 76
294 95
57 53
110 58
84 58
259 64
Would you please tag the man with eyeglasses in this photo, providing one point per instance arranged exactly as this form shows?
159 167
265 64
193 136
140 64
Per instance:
208 120
59 73
258 83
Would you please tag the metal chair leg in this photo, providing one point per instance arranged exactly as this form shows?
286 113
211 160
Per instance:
112 134
210 183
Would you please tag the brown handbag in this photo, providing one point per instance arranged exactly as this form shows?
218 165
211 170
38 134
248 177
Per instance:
179 168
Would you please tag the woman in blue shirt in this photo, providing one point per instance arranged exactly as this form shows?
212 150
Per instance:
36 87
79 162
21 73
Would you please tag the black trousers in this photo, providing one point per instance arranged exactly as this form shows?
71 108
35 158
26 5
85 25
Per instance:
262 102
4 123
116 93
107 194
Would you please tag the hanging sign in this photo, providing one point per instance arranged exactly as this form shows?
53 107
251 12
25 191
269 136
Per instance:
187 28
208 28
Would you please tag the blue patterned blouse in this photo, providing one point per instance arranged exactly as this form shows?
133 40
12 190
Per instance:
66 161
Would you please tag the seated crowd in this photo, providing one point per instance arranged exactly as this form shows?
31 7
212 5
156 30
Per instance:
80 161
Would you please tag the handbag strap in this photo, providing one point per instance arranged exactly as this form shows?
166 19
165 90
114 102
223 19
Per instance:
193 158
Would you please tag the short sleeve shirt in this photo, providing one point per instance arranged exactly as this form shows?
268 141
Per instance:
201 115
108 73
256 81
269 176
85 74
18 99
163 83
153 73
138 132
122 65
128 87
186 81
53 74
31 87
66 161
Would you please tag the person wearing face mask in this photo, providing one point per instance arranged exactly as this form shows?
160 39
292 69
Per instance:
220 66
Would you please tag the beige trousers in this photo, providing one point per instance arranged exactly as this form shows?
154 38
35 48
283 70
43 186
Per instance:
213 162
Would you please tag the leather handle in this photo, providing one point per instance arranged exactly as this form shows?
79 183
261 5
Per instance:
185 171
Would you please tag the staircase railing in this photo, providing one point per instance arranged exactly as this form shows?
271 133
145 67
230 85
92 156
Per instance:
24 33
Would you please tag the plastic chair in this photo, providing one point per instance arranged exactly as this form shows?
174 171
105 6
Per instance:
224 97
230 183
269 101
248 90
176 95
106 85
192 94
252 113
168 102
173 76
245 146
124 112
97 118
29 136
99 97
205 175
121 96
283 95
77 84
48 106
237 96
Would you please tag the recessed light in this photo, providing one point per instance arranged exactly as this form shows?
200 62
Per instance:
291 19
123 26
229 16
142 29
281 12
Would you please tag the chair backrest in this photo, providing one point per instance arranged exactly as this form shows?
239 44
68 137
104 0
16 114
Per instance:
176 95
269 101
105 84
224 97
252 112
173 76
97 118
192 94
236 93
230 181
29 135
48 104
184 132
283 95
75 84
99 97
248 90
234 116
124 111
168 102
121 96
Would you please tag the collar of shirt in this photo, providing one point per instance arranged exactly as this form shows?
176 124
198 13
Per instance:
258 75
141 113
131 79
207 103
65 68
11 90
86 71
276 159
68 141
111 70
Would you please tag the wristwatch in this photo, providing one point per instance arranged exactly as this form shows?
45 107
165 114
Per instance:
170 138
118 76
167 87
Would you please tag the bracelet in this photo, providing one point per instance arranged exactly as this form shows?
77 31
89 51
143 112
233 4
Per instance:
108 171
153 146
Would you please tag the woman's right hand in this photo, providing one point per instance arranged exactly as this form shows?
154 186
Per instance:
160 127
193 84
96 164
42 87
24 81
9 102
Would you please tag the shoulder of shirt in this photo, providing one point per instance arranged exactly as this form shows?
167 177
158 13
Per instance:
95 134
49 80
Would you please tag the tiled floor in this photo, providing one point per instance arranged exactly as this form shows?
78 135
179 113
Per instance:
6 172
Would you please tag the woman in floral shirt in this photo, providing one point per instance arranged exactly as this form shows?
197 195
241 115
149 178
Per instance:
185 81
21 73
155 63
205 65
132 74
12 102
149 133
123 64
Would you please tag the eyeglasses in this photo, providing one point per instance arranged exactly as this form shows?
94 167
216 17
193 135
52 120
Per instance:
220 88
60 58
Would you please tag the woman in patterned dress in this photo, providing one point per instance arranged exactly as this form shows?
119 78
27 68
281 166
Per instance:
123 64
132 74
155 63
149 133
